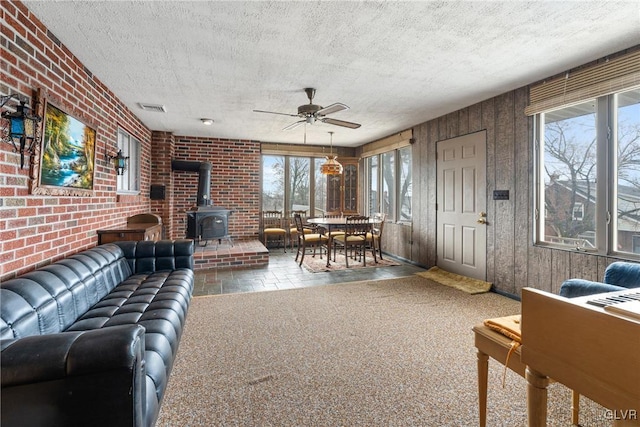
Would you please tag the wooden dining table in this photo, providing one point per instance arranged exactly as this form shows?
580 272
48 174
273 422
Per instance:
333 223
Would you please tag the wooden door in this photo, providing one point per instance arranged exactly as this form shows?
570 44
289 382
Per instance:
461 205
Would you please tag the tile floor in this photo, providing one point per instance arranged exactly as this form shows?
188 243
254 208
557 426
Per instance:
283 272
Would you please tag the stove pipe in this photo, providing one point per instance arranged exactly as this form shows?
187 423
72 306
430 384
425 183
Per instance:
204 178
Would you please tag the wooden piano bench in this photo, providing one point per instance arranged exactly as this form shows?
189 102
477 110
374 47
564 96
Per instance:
497 346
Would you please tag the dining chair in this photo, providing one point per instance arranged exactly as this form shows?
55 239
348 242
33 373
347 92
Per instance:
374 237
336 231
272 228
309 237
354 239
293 230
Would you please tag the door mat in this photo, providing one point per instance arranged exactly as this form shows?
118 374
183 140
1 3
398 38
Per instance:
463 283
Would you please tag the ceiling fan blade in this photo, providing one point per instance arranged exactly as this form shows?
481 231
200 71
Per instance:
340 123
294 125
333 108
273 112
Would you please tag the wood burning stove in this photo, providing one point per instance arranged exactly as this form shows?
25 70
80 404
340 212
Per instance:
204 222
208 223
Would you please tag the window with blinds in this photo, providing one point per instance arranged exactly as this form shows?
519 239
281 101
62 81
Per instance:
588 175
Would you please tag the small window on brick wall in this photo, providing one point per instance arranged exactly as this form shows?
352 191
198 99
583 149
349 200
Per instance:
129 181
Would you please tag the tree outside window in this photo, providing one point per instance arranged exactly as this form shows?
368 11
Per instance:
569 169
388 184
299 184
405 183
273 183
627 221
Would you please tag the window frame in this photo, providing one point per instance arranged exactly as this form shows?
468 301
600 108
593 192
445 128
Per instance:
395 210
607 172
129 181
314 177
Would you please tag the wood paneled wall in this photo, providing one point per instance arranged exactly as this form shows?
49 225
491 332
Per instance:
513 261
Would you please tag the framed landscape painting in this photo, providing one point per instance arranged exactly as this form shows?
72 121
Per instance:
67 155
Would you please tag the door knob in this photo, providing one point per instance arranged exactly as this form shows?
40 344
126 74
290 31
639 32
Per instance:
481 221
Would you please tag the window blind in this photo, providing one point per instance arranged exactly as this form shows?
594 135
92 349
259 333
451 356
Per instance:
617 75
389 143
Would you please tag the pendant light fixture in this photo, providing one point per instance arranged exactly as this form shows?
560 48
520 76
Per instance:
331 165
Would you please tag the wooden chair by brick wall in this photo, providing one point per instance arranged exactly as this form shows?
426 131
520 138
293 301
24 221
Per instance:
272 228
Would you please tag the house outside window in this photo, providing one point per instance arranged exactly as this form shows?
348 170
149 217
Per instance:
583 199
129 181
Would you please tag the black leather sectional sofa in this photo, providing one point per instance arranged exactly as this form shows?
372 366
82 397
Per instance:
90 340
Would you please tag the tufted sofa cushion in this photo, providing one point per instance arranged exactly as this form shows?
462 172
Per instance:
164 255
50 299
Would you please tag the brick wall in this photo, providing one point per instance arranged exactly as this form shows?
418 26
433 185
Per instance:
38 229
235 182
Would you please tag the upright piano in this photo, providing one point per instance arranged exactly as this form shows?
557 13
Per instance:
586 347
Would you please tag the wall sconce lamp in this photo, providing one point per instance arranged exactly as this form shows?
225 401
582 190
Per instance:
22 131
118 161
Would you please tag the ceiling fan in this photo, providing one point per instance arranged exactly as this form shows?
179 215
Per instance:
310 113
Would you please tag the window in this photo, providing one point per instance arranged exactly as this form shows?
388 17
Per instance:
584 200
578 212
371 167
273 172
299 184
320 188
627 141
635 244
405 183
388 184
293 183
568 169
129 181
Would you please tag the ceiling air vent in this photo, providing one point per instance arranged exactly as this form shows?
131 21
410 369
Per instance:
153 107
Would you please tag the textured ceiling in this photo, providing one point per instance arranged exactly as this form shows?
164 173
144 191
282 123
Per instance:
395 64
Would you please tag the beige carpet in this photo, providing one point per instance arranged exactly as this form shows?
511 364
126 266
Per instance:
393 352
316 265
463 283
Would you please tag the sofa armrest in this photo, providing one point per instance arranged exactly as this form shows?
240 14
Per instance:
94 377
579 287
624 274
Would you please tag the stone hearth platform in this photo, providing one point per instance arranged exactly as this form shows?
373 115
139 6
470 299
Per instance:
245 253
